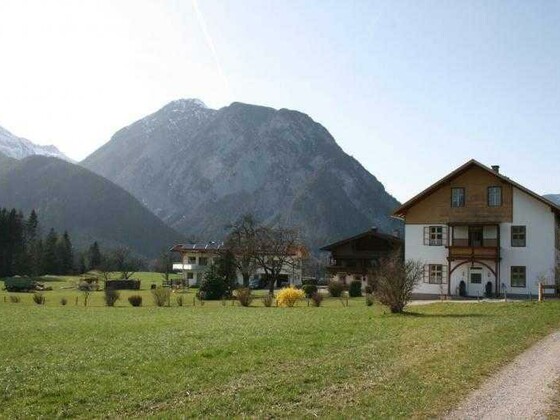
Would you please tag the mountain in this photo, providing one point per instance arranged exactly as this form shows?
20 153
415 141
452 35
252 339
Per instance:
70 197
555 198
19 148
199 169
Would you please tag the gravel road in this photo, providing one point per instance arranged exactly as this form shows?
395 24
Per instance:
521 390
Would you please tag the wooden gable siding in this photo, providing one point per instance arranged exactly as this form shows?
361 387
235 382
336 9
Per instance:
436 207
364 247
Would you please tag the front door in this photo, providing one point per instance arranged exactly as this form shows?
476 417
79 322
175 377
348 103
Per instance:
475 287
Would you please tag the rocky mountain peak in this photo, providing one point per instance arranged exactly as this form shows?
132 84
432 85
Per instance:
19 147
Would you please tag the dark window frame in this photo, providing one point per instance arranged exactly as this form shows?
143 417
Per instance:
519 273
498 188
435 235
435 272
519 236
463 196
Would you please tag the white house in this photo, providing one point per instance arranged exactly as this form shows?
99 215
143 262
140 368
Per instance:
197 258
477 231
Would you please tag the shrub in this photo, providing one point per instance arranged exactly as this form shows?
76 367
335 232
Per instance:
38 298
368 289
135 300
355 289
369 299
312 281
180 300
243 295
268 300
309 290
288 296
15 299
63 301
213 286
335 288
316 299
161 295
396 280
111 297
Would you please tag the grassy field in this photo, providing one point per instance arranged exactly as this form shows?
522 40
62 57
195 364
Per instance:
216 360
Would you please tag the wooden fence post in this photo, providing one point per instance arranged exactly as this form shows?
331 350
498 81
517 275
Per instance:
540 292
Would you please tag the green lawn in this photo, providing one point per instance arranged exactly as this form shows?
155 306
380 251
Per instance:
223 361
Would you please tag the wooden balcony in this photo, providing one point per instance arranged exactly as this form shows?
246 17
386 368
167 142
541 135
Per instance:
473 253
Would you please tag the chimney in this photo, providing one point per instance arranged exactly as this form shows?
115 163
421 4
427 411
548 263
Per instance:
496 168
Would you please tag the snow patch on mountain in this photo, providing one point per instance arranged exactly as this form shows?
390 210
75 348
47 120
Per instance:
19 148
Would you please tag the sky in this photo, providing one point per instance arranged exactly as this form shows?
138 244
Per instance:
411 89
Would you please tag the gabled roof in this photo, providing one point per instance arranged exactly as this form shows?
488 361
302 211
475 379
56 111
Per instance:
401 211
371 232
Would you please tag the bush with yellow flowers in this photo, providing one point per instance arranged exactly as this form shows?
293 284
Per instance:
288 296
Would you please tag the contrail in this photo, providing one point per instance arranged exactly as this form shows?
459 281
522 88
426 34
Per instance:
210 43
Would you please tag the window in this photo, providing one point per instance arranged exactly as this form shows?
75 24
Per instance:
476 278
457 197
518 276
190 276
435 235
192 260
203 261
436 274
494 196
518 236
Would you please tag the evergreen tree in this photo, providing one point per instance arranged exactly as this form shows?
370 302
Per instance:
64 255
94 257
82 268
50 260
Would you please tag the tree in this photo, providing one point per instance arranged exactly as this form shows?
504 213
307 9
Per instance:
213 286
227 269
82 264
49 258
125 263
241 241
94 256
396 279
65 255
277 248
164 265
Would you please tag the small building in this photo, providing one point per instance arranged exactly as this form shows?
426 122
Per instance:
478 232
197 258
355 258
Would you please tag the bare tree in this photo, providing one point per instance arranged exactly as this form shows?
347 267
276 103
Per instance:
124 262
241 241
395 280
276 250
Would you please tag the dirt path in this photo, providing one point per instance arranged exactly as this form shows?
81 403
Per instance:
523 389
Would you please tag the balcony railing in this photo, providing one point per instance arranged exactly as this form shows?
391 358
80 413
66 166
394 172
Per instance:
474 252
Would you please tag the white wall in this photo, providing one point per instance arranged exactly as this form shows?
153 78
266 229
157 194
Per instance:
539 254
414 249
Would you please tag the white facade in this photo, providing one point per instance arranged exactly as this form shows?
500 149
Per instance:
537 259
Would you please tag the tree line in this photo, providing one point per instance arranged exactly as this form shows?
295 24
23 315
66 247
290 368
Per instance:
26 251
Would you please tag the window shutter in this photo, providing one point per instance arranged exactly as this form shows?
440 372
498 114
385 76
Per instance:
426 273
426 235
444 231
444 274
